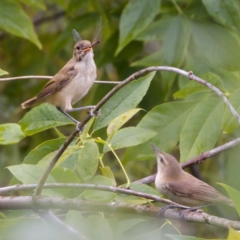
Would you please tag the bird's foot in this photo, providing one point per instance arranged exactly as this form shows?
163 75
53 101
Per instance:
192 209
92 114
163 209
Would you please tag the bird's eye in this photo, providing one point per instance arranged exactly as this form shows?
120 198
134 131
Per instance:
78 48
161 160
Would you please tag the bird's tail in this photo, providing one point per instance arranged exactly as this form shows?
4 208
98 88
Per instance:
29 103
228 202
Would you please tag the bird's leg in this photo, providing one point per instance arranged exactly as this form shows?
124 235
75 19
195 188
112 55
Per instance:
69 116
163 209
192 209
86 107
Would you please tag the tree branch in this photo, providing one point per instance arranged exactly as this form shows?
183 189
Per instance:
17 188
108 96
26 202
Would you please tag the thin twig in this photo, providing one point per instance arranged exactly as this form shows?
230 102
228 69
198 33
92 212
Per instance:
50 77
26 202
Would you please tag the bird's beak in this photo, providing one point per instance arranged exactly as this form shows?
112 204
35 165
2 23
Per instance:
90 47
155 148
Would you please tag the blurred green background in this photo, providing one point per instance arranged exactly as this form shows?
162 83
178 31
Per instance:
198 35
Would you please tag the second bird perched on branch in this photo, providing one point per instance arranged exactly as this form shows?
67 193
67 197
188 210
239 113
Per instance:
71 83
181 187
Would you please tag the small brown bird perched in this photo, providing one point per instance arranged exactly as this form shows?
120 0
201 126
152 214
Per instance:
181 187
71 83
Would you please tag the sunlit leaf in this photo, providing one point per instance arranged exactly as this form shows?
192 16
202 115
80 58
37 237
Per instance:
119 121
2 72
233 234
10 133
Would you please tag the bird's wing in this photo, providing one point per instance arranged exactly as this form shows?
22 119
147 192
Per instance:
196 190
61 79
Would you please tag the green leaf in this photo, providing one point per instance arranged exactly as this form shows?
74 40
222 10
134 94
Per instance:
234 195
98 195
210 38
144 189
2 72
76 220
193 87
70 159
71 154
35 3
130 136
136 16
119 121
202 128
167 120
157 29
10 133
88 161
15 21
101 227
233 234
43 149
230 122
173 47
224 12
107 172
181 237
28 174
125 99
129 223
41 118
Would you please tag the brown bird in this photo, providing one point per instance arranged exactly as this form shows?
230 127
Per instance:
71 83
181 187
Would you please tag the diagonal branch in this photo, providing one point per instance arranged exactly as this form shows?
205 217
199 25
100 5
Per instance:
108 96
